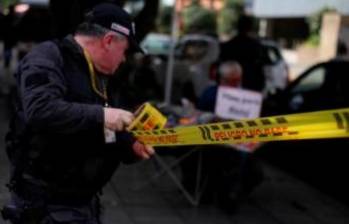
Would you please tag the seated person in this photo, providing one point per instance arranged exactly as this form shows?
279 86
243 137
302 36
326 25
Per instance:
229 74
230 173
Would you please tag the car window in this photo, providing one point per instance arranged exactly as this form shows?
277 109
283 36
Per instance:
195 50
156 45
313 80
273 56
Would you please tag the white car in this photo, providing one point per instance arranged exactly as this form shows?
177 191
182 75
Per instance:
194 54
199 52
275 70
156 44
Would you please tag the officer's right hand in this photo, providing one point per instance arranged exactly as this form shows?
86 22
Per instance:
117 119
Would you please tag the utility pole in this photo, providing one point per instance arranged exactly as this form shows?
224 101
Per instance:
170 61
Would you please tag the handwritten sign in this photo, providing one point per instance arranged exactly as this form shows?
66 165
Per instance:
234 103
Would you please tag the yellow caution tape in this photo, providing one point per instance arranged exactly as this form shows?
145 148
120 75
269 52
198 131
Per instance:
311 125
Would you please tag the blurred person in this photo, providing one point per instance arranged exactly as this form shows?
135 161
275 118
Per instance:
232 174
247 50
66 138
229 74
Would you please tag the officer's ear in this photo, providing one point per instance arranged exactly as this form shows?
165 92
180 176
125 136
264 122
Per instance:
107 40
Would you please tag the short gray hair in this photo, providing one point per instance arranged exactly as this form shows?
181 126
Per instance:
229 67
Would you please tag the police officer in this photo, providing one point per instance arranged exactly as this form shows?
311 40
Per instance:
67 137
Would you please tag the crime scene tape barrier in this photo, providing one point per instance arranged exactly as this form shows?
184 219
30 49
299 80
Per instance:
310 125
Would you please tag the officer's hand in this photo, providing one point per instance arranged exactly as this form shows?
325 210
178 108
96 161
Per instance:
117 119
143 151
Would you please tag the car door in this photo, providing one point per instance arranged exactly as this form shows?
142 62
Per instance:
300 95
307 92
322 163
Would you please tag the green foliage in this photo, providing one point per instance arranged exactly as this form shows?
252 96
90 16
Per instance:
313 40
229 15
164 20
198 19
7 3
234 4
314 23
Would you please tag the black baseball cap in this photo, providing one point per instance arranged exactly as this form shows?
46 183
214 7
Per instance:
114 18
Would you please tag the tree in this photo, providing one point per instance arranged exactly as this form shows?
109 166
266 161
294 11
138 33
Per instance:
229 15
197 19
6 3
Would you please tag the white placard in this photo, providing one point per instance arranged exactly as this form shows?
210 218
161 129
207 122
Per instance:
234 103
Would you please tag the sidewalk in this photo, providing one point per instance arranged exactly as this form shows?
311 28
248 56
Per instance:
279 199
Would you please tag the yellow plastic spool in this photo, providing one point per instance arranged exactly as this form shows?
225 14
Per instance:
147 118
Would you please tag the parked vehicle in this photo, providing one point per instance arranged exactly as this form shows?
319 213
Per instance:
276 69
199 52
193 54
323 86
157 44
322 163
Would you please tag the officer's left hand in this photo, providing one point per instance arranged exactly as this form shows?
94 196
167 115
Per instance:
143 151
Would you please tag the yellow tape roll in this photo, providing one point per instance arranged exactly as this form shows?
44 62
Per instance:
147 118
311 125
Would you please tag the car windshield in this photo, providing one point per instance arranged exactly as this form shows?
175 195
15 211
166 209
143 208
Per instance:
195 50
312 80
157 44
